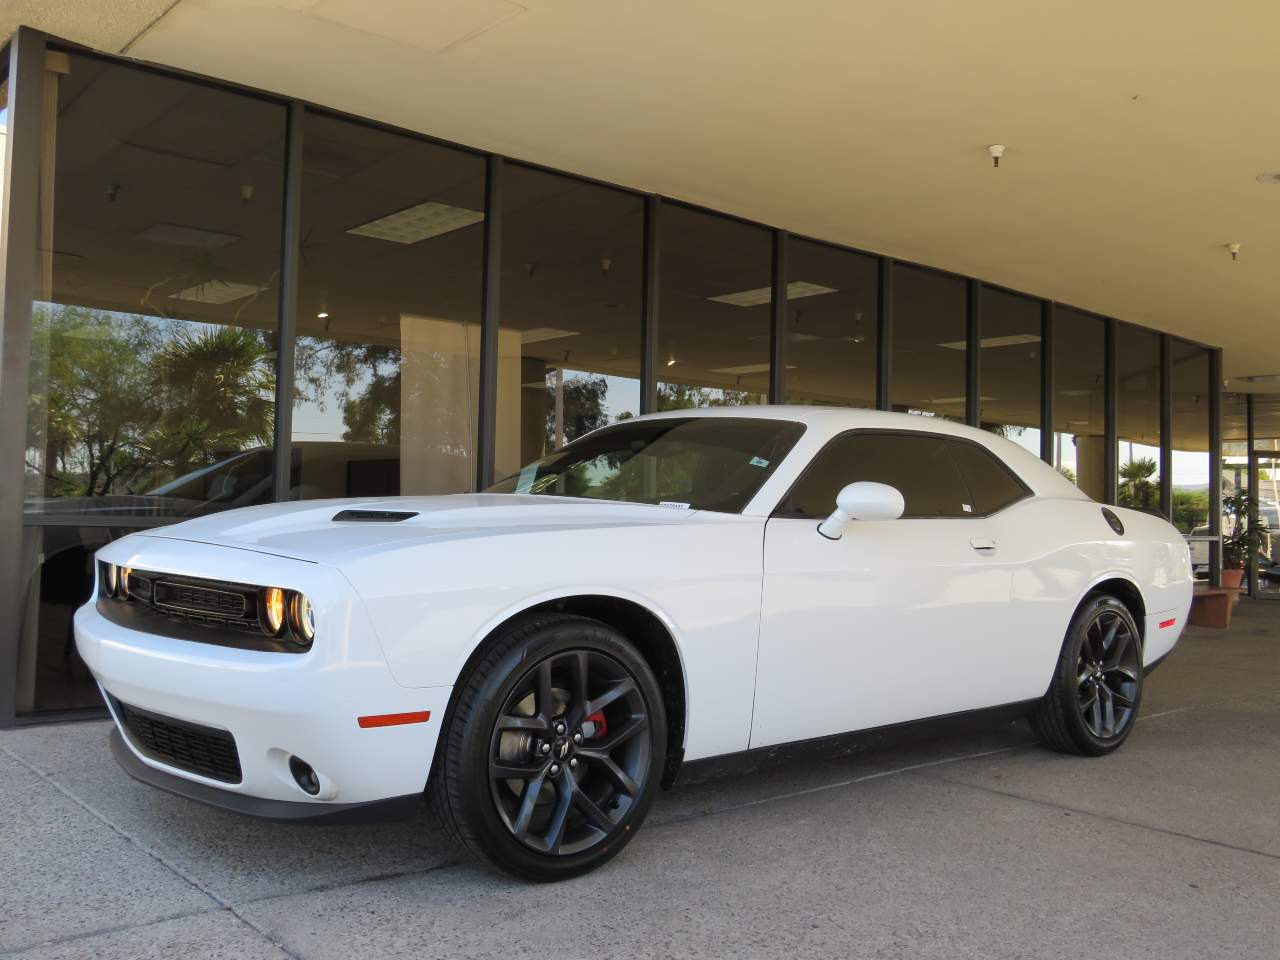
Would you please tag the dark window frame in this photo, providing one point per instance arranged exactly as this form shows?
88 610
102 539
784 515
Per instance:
883 431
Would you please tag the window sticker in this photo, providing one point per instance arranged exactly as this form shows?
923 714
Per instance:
676 504
966 508
758 462
524 484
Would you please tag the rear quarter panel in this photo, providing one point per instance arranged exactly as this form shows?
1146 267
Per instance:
1061 550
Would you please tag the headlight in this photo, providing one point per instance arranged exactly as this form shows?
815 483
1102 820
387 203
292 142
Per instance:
124 582
303 617
272 610
110 579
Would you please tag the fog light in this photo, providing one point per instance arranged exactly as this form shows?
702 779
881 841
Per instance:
304 776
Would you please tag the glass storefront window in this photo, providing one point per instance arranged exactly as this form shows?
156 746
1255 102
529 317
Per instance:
1010 367
832 303
154 328
1138 418
569 343
716 282
154 325
929 343
1190 441
387 356
1079 399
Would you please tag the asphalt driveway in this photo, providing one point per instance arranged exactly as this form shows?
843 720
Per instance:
954 847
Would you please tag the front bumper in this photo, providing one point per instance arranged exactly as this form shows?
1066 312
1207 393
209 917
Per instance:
282 811
274 705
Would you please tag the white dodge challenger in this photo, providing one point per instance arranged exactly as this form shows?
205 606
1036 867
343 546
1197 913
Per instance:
537 659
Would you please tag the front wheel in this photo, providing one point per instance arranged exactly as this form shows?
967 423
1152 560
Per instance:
553 750
1092 703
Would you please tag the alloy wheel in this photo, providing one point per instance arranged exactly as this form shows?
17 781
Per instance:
1108 675
569 757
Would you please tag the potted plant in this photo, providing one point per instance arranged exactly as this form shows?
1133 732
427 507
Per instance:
1244 537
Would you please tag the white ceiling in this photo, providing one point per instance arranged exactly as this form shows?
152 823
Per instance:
1135 131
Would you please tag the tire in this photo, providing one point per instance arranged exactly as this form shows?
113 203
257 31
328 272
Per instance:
1100 663
552 751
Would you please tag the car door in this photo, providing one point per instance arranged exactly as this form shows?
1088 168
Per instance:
898 619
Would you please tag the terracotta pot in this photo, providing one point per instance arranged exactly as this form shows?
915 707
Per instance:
1232 577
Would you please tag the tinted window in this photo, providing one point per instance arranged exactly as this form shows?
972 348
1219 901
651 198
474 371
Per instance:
991 485
699 463
919 465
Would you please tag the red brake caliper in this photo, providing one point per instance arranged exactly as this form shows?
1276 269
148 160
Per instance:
598 725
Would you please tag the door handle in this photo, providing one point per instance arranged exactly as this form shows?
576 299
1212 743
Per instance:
983 544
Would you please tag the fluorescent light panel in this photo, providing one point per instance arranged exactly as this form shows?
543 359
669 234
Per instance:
216 291
796 290
419 222
1010 341
538 334
745 369
178 236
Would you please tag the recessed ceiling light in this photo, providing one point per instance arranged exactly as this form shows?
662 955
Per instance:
322 315
1273 177
419 222
545 333
1009 341
796 289
178 236
216 291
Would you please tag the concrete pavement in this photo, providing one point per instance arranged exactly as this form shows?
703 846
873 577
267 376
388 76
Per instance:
952 847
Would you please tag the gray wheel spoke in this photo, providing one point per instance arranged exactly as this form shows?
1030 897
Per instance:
1128 673
530 724
619 776
559 816
528 801
1120 645
1108 712
510 770
1109 638
1096 713
615 692
595 816
544 696
618 737
1119 699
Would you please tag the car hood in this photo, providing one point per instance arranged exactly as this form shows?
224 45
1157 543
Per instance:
307 530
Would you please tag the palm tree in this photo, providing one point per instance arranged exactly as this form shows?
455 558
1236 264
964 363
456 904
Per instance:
1136 488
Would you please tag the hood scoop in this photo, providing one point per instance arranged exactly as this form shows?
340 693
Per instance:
373 516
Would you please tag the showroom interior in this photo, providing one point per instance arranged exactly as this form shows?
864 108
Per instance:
216 296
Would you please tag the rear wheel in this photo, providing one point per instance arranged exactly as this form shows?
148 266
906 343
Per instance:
553 750
1092 703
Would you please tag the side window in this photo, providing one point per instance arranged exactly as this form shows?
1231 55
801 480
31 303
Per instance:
919 465
992 485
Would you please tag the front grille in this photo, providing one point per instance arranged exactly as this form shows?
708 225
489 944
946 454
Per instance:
187 598
206 751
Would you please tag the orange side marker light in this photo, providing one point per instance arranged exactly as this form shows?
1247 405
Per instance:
394 719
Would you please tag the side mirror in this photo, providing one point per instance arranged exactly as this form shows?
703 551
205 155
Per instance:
863 500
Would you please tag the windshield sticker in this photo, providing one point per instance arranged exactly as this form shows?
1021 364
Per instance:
758 462
524 483
966 508
673 503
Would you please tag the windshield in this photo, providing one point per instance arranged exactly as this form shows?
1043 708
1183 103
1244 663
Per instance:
694 463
